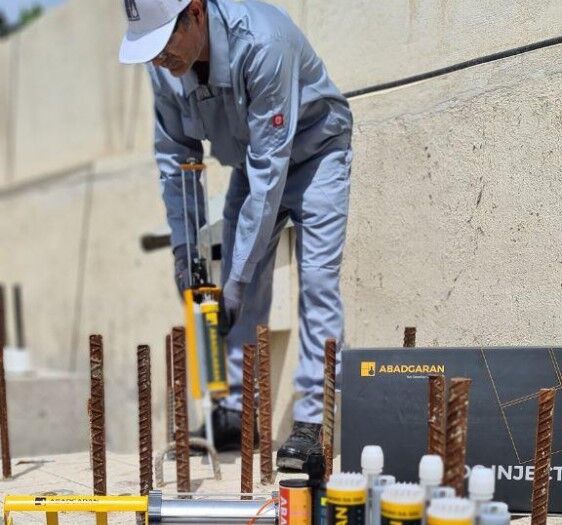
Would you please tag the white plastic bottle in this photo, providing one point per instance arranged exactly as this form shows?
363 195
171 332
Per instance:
450 511
372 462
431 473
481 486
442 492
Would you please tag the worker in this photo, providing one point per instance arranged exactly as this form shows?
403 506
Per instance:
241 75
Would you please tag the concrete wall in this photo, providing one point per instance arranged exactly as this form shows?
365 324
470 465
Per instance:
456 209
66 100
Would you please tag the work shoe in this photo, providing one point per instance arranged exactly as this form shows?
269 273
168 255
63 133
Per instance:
304 439
227 429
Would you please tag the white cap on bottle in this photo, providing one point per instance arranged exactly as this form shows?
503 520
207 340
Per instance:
481 484
451 509
372 459
431 470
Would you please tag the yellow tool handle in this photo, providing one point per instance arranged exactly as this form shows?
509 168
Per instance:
76 503
192 166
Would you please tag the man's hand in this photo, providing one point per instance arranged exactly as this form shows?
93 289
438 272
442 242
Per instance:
230 305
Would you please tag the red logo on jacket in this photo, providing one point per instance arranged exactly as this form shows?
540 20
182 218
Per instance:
278 120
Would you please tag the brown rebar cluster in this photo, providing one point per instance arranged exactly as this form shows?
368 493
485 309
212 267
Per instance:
265 411
145 418
180 401
247 444
409 337
436 440
542 456
457 421
329 404
97 418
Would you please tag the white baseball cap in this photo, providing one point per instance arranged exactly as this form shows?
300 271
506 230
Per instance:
151 23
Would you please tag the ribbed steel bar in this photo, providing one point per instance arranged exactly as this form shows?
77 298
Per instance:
264 384
329 404
247 444
4 432
436 440
169 392
543 456
456 432
145 418
97 407
180 409
18 316
409 337
3 334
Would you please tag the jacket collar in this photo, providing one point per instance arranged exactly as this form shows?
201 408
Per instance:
219 73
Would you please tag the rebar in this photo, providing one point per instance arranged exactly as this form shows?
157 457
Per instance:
3 334
247 444
436 440
264 384
169 391
329 405
542 456
18 316
97 407
4 433
145 418
457 424
181 433
409 337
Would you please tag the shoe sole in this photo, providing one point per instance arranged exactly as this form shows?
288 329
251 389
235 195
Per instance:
290 464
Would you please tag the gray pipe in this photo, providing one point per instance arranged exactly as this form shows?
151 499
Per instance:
208 511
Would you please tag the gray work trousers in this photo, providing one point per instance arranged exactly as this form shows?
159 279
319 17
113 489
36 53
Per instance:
316 199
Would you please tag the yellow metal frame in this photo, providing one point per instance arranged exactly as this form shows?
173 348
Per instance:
52 505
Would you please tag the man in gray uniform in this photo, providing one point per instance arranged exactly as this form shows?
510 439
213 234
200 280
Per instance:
242 75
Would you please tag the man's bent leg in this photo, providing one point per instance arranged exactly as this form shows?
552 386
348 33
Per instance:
320 218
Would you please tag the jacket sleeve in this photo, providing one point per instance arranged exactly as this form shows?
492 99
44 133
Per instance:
172 148
271 77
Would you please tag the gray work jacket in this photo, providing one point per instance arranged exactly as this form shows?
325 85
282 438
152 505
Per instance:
269 103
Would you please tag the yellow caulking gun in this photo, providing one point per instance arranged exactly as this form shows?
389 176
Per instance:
206 350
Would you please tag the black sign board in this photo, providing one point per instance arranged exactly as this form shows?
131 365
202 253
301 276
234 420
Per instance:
384 402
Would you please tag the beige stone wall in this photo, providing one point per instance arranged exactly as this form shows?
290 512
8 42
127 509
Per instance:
456 204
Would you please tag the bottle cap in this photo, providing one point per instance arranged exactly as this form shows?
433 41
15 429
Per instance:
347 481
481 484
407 493
372 459
451 509
431 470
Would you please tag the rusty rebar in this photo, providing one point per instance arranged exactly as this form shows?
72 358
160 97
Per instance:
4 432
3 334
181 433
264 384
97 407
409 337
456 432
436 440
247 443
329 404
542 456
169 391
145 418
